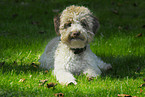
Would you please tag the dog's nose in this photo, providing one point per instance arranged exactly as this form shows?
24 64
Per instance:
75 34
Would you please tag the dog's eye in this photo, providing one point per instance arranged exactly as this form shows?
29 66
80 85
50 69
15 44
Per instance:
67 25
84 23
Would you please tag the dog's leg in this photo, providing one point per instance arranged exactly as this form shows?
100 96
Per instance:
92 72
103 65
64 77
96 62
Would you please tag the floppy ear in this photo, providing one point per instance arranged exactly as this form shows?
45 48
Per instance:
95 24
56 20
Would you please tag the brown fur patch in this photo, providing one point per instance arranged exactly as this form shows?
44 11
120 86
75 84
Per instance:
57 24
95 24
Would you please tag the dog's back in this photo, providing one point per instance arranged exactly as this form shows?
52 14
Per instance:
48 62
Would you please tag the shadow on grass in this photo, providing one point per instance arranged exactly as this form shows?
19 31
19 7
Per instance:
6 68
123 66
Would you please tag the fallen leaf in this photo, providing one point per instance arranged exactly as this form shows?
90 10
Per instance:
22 80
141 90
49 85
119 4
42 82
90 78
139 35
45 12
55 10
34 65
119 27
143 26
24 3
134 4
35 23
15 63
59 95
46 71
124 95
113 3
16 1
15 15
115 12
41 32
138 69
142 85
126 27
2 64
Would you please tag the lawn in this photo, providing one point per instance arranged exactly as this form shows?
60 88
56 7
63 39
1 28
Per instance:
26 26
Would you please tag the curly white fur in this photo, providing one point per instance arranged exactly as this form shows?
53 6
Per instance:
58 54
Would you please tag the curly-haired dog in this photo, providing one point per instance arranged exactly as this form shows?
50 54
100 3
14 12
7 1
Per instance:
70 54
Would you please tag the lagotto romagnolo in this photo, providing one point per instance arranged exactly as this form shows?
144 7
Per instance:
70 53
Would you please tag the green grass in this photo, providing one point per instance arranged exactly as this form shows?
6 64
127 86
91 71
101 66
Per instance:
27 26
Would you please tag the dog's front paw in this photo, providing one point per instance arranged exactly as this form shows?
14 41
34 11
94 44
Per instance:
68 83
108 67
71 82
65 78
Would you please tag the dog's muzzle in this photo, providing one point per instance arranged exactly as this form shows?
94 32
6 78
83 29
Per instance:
76 36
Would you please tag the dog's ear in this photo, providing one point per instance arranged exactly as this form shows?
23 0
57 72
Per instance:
56 20
95 24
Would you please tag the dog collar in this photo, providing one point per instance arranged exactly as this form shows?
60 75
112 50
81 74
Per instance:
78 50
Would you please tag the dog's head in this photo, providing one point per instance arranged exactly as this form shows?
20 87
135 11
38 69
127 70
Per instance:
76 25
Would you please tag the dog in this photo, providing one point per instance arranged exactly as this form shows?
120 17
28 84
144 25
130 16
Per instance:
69 54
